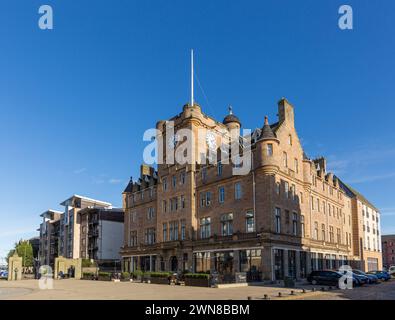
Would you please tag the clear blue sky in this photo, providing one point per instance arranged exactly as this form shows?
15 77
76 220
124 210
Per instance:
76 100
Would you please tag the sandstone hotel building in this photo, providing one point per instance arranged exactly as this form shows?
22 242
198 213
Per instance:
286 217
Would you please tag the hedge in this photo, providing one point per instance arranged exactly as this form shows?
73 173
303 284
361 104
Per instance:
105 274
125 275
158 274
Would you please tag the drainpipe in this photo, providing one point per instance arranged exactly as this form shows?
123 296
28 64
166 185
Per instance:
253 189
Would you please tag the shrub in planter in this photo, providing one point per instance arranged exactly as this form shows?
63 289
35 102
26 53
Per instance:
88 276
104 276
197 279
125 276
137 275
160 277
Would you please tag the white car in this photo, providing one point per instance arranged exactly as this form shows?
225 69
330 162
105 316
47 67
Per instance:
391 271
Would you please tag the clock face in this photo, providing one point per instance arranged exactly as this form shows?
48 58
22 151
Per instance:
172 142
211 142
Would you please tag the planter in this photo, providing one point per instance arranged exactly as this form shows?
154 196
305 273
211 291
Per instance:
197 282
159 280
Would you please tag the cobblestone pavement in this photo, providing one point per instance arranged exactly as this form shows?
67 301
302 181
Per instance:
83 290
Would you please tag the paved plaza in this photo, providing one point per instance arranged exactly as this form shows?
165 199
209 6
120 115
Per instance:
101 290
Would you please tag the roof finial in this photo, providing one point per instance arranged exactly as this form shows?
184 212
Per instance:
230 109
266 121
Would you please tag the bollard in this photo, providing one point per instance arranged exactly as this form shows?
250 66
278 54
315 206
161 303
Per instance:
265 297
313 289
279 294
303 290
292 293
249 298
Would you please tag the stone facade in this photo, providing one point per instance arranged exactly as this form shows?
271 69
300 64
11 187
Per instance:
287 216
388 245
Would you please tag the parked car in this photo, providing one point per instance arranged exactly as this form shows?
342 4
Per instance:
371 277
361 279
3 274
381 275
327 277
391 271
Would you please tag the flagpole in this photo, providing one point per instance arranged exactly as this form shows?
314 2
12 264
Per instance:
192 98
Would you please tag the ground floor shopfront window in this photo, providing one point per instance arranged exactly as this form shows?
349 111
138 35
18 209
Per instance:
278 264
147 263
223 264
251 263
292 264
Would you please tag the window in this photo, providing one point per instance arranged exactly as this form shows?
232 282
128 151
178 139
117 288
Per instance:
175 230
278 220
296 165
174 182
182 200
202 199
238 194
290 140
301 197
250 223
331 234
150 213
205 228
164 206
323 232
150 236
221 194
164 228
219 169
286 189
318 205
171 228
227 224
208 198
312 203
134 216
294 224
183 237
204 173
269 149
302 226
293 192
133 239
285 160
278 188
142 195
164 184
182 177
316 230
151 192
324 206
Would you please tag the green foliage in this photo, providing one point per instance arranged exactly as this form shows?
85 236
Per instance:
197 275
159 274
105 274
137 273
24 249
125 275
88 274
86 263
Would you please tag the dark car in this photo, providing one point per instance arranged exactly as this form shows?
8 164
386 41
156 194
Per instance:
327 277
381 275
371 277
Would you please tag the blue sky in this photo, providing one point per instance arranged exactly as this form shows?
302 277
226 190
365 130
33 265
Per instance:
75 101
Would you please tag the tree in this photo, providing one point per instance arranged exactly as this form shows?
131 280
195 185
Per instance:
24 249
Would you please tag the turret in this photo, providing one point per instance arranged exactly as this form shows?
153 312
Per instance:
268 148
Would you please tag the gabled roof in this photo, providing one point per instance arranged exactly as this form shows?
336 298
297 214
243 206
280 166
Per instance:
351 192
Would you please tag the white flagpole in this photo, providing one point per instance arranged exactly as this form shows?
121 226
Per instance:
192 99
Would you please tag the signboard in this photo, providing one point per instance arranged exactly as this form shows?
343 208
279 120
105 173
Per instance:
241 277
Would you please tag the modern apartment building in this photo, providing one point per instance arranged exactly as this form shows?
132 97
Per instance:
366 230
69 235
388 245
287 216
101 234
49 237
